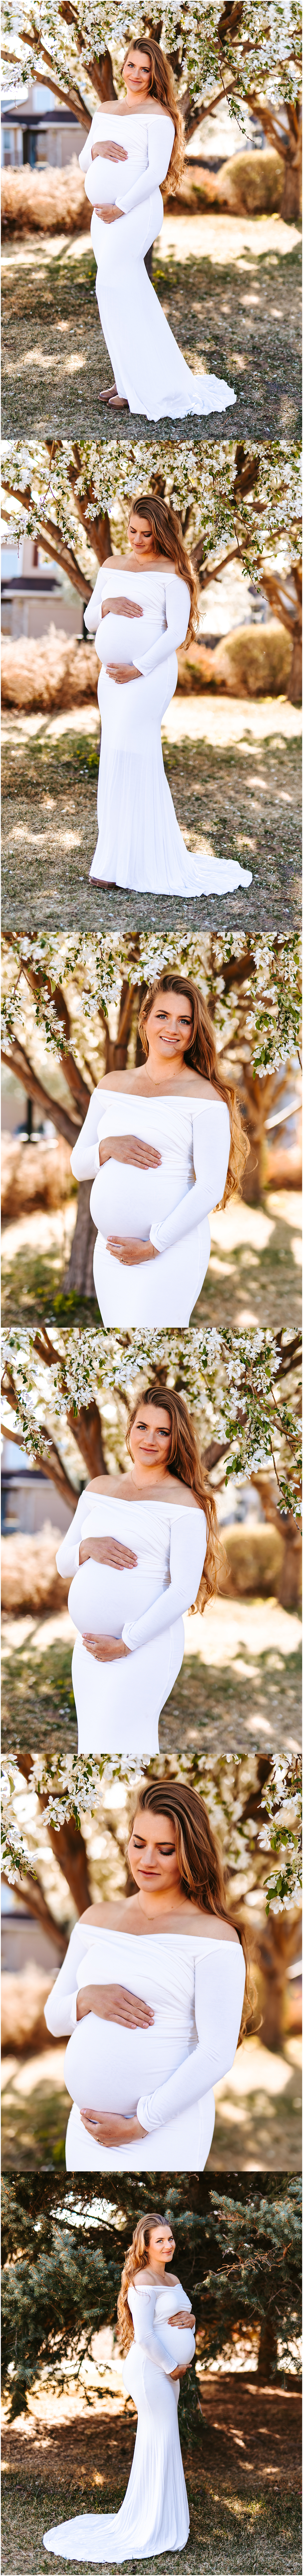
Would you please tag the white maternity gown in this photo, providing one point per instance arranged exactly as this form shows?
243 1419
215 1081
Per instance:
148 366
167 1206
165 2074
139 843
118 1704
154 2515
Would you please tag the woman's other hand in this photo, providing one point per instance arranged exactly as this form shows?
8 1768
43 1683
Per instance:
106 1650
107 1551
129 1149
108 152
122 671
114 2003
129 1250
120 608
111 2131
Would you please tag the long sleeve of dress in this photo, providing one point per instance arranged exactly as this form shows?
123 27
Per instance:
160 146
211 1148
60 2011
219 1990
177 604
142 2306
92 612
67 1559
85 1154
187 1552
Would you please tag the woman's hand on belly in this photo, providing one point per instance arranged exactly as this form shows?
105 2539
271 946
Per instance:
110 214
111 2131
129 1250
182 2319
120 670
106 1650
107 1551
121 608
129 1149
114 2003
180 2373
108 152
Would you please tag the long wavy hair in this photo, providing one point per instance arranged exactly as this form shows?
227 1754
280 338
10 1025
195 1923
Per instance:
201 1053
184 1461
136 2260
200 1864
162 86
168 540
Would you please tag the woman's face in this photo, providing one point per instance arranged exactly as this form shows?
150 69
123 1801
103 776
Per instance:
140 537
137 73
150 1437
169 1024
152 1852
161 2244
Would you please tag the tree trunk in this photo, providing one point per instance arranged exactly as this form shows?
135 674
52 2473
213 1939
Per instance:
79 1274
86 1427
69 1848
294 691
268 2350
291 205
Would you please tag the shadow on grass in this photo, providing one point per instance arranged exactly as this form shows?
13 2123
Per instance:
227 2534
252 1702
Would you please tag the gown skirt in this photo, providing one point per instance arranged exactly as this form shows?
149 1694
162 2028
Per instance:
154 2515
148 366
139 841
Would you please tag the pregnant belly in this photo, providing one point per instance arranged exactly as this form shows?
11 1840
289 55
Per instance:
100 1600
179 2342
108 2067
105 180
117 637
126 1201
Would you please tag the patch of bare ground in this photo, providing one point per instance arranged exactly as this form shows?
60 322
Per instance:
242 2483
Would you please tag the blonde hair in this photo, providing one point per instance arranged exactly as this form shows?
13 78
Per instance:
136 2260
201 1053
162 86
200 1865
184 1462
168 540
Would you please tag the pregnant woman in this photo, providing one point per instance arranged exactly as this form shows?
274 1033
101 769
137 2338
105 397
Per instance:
167 1967
139 843
137 1550
158 2339
163 1145
123 174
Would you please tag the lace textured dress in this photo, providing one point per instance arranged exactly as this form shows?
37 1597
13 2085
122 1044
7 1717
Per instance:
139 842
154 2515
164 2074
118 1704
168 1205
148 367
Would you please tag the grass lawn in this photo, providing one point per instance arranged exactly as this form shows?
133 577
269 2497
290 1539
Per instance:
225 2538
239 1687
234 771
229 287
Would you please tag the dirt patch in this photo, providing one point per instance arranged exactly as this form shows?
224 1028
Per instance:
247 2432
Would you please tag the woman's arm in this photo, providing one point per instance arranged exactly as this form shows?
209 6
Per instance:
177 603
211 1149
160 144
142 2305
93 610
67 1558
85 1155
60 2011
219 1990
187 1552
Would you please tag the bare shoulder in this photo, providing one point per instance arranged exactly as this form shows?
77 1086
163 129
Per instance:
219 1929
104 1915
97 1484
183 1494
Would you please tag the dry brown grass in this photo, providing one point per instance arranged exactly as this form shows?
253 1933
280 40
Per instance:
44 201
33 1176
252 662
250 183
52 672
29 1572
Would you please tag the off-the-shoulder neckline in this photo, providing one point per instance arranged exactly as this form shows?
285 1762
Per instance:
139 1501
205 1940
178 1097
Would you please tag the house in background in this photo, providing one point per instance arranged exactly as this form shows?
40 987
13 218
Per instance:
36 130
